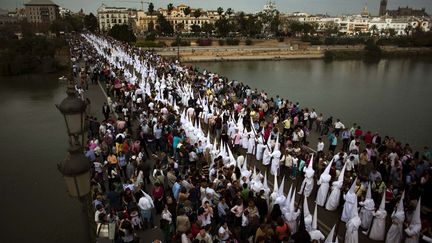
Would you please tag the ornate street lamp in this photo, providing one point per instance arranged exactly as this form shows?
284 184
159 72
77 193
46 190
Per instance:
73 109
76 167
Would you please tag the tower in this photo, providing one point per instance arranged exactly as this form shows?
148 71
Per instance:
383 8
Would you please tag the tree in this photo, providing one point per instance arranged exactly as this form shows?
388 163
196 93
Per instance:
170 8
195 28
91 22
164 26
220 11
150 8
208 28
229 11
150 26
180 27
223 26
122 32
374 29
197 13
187 11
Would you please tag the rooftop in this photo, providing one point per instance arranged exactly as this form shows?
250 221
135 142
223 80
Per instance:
41 2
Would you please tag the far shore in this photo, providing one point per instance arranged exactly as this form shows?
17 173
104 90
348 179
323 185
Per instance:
282 52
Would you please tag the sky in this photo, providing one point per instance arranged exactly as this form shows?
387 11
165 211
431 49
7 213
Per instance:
332 7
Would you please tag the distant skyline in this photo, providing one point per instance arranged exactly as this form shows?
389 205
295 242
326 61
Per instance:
332 7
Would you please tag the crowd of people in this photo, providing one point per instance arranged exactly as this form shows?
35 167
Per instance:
190 152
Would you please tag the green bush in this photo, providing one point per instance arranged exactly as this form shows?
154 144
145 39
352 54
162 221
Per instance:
152 44
204 42
221 42
233 42
181 43
248 42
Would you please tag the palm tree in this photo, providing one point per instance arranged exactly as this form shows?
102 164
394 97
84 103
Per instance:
170 7
187 11
220 11
374 29
197 13
229 11
150 8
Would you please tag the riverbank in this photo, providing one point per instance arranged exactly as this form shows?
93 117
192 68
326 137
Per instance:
284 52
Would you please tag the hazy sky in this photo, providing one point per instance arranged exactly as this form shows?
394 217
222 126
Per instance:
332 7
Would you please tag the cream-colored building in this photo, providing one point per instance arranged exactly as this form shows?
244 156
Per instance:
110 16
41 11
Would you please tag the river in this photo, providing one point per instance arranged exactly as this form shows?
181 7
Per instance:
34 205
392 97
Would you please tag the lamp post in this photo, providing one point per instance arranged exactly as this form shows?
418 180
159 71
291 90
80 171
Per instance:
76 167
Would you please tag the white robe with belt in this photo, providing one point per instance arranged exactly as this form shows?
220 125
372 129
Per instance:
413 233
323 189
350 200
333 200
377 231
395 233
266 156
251 145
351 234
366 213
259 151
275 162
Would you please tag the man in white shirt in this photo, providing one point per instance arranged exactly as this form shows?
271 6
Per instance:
338 126
224 233
145 203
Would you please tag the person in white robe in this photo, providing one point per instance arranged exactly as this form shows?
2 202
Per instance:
275 158
395 233
314 233
350 200
245 139
368 207
307 215
308 182
291 215
352 226
414 228
377 230
266 159
323 182
260 149
251 143
334 198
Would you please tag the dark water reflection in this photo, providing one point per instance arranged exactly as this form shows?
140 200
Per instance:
34 205
392 96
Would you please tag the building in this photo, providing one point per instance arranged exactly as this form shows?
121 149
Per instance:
143 21
41 11
384 25
383 8
110 16
64 11
407 12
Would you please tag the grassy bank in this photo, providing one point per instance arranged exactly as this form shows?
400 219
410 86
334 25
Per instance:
330 55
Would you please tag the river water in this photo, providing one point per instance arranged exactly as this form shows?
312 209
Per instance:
392 97
34 205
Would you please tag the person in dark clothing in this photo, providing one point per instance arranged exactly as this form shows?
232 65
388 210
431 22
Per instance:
261 204
106 110
301 236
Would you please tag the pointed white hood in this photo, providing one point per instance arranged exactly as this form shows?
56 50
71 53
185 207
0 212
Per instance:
352 188
265 180
315 218
329 238
400 206
282 187
306 211
416 215
369 192
382 204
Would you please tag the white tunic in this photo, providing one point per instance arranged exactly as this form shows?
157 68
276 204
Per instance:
323 189
351 234
251 145
275 162
413 232
395 233
244 140
307 186
333 200
259 151
366 213
377 231
350 200
266 156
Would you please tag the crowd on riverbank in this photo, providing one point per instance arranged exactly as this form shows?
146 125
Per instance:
185 143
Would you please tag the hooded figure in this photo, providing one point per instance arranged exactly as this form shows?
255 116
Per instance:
251 143
302 235
350 199
414 229
351 234
276 155
395 233
329 238
314 233
245 138
368 207
260 149
308 181
280 198
291 215
323 182
267 156
334 198
377 230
